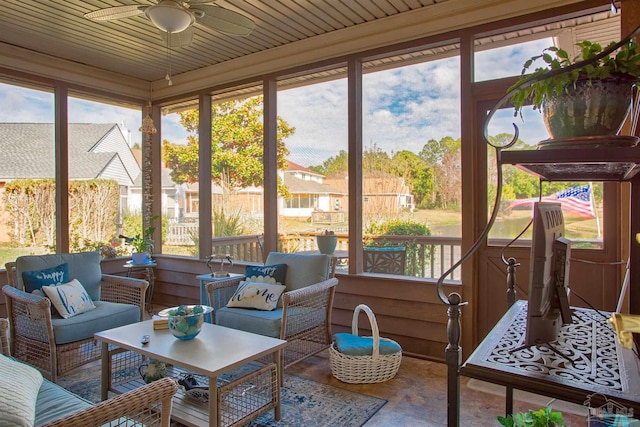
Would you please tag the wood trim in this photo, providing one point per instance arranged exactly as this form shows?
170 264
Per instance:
354 107
472 189
23 61
204 175
270 118
61 141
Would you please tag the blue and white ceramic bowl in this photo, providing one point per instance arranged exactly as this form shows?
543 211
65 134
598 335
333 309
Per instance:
185 321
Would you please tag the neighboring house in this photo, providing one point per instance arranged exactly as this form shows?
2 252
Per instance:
310 197
308 194
96 151
381 192
173 203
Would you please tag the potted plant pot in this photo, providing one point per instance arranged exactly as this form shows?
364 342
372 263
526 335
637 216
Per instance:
139 257
327 243
589 108
590 101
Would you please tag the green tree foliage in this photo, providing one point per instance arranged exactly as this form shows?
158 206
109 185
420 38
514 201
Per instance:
443 157
334 166
375 160
416 173
236 146
399 227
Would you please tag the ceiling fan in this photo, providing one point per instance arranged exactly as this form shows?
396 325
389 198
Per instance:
174 18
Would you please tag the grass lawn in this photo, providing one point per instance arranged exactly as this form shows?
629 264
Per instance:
8 253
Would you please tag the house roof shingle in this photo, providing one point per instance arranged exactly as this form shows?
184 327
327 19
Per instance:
28 150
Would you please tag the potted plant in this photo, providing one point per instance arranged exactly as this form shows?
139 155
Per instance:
543 417
142 244
327 241
587 96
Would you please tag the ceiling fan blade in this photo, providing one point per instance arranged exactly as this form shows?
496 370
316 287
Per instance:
117 12
224 20
181 39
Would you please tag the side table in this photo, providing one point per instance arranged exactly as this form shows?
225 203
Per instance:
206 278
143 271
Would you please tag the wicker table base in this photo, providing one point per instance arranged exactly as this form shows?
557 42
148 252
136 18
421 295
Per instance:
228 358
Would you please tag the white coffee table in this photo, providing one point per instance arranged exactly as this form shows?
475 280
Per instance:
215 351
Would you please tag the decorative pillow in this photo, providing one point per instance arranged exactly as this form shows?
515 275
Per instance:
273 274
54 276
261 296
20 384
69 299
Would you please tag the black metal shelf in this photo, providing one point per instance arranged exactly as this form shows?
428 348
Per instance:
579 164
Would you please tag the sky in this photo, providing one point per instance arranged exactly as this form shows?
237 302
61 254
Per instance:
402 108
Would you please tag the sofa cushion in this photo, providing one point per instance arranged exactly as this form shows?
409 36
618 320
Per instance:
261 296
19 384
36 279
302 269
55 402
266 273
106 315
354 345
245 320
69 299
84 266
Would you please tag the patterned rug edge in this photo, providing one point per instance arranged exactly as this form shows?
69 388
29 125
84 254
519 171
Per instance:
304 401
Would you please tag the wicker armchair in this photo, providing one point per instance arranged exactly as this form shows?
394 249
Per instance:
149 405
12 274
304 317
41 338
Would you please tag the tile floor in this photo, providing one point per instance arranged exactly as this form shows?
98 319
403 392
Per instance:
417 396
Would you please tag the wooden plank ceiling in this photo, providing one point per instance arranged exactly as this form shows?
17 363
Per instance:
133 46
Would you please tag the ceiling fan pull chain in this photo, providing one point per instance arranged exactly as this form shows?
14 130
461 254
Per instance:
168 76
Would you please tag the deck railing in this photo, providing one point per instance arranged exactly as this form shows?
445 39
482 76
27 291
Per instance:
427 256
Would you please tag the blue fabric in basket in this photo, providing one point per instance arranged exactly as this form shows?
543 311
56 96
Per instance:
353 345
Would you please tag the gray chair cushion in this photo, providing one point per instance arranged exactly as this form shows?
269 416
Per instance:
84 266
302 269
55 402
260 322
106 315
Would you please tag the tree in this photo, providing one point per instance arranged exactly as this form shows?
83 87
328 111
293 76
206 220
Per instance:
416 173
334 167
236 146
444 157
375 160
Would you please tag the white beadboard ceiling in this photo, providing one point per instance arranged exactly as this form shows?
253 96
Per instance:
133 47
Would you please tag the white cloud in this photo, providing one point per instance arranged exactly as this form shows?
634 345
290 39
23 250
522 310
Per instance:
402 108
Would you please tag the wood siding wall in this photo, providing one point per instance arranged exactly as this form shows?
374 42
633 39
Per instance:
407 311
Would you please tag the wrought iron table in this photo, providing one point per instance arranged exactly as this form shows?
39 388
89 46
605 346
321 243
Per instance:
591 362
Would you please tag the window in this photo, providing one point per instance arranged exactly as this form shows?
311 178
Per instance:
180 193
103 171
27 218
411 163
314 173
236 176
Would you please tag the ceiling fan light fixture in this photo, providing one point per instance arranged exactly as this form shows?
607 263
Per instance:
170 17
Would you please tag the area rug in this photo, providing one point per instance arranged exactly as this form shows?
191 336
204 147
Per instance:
304 402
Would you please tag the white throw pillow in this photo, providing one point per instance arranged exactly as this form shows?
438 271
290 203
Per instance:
261 296
20 384
69 298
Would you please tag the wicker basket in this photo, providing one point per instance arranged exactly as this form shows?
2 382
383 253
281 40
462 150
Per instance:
365 369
